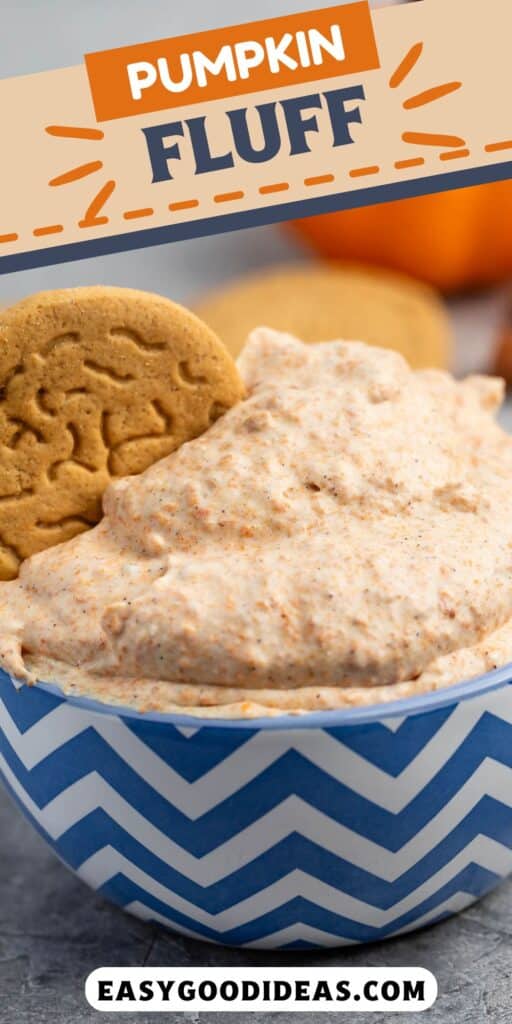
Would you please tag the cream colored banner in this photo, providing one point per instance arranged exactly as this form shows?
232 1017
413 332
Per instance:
438 105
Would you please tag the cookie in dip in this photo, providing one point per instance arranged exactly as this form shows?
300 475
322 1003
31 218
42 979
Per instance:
342 536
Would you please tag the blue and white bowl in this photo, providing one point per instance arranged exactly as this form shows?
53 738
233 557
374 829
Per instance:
333 828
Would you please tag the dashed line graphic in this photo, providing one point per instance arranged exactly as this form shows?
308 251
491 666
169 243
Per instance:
228 197
414 161
185 204
319 179
361 172
455 154
48 229
268 190
94 217
146 211
497 147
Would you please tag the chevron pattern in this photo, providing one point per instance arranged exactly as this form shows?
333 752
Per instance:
270 838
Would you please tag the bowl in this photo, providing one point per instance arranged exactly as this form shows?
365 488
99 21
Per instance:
280 833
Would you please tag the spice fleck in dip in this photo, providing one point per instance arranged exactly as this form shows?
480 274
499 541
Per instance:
341 537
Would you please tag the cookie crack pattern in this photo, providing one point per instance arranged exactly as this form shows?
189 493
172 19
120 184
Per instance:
77 523
167 424
107 372
105 429
187 376
41 398
69 338
16 372
26 492
166 419
130 335
100 383
75 458
53 471
10 554
77 455
23 430
217 409
76 391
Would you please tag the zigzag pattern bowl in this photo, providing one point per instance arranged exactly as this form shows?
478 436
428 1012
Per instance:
282 833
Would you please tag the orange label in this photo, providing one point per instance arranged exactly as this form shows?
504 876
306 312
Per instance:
423 121
232 61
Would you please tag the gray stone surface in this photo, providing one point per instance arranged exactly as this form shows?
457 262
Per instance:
54 931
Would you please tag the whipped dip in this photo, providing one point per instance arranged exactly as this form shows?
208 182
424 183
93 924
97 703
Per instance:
341 537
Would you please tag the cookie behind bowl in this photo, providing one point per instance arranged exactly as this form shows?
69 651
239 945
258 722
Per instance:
329 301
95 383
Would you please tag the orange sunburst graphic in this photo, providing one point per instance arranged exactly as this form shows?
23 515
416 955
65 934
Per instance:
451 146
454 145
93 215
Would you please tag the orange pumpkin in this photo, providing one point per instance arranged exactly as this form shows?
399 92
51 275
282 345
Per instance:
453 240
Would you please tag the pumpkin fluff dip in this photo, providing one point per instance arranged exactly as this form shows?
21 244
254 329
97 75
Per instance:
341 537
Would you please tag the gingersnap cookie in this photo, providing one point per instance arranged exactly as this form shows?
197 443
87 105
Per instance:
95 383
328 301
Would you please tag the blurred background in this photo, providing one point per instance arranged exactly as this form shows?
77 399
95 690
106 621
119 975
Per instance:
461 243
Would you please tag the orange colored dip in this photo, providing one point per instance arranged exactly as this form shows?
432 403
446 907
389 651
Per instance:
341 537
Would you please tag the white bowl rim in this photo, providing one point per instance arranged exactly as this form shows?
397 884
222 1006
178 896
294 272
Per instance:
368 714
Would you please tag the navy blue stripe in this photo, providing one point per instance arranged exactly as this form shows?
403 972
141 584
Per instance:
97 831
191 758
291 774
255 218
299 944
28 704
389 750
475 881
